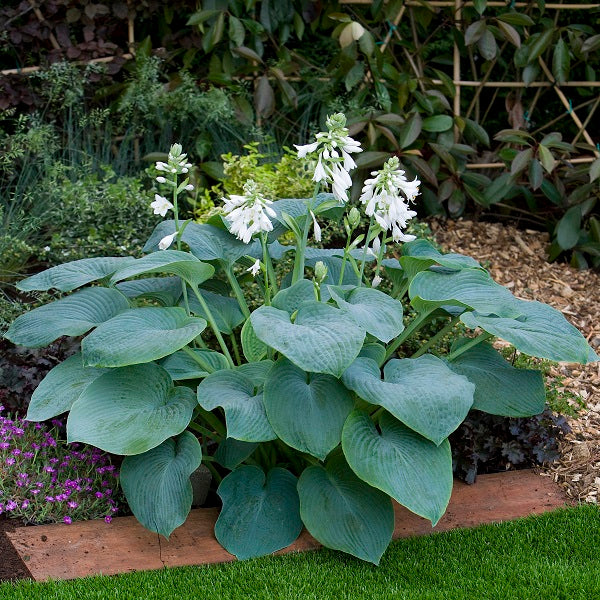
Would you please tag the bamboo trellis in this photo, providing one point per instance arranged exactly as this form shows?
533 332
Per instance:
417 68
550 82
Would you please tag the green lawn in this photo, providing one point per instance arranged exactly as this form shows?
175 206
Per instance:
552 557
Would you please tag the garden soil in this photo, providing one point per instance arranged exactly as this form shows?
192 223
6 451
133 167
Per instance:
516 258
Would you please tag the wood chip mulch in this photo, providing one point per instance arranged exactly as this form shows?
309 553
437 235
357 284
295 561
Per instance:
516 258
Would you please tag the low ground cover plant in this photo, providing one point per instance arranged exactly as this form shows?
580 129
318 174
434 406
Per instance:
308 404
42 480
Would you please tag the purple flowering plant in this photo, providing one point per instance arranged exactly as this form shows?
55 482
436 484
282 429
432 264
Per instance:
45 480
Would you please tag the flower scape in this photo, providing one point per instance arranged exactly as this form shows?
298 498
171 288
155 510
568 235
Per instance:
43 481
311 407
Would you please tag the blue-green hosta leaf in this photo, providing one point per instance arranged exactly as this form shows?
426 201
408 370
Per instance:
292 298
295 208
73 315
71 275
181 365
225 310
344 513
254 350
422 392
157 483
395 272
540 330
232 453
376 312
206 242
244 408
257 372
57 392
419 255
500 388
307 411
322 339
130 410
401 463
471 288
260 515
172 262
140 335
374 351
152 287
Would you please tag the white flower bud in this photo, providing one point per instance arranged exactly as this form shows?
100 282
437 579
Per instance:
189 187
376 281
166 241
320 271
161 180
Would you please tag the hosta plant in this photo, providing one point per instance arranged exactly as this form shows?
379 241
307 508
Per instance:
306 408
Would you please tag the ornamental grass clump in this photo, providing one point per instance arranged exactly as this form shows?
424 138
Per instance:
43 480
313 409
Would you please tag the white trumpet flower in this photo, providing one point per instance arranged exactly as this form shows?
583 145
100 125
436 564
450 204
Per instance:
248 214
384 201
160 205
254 269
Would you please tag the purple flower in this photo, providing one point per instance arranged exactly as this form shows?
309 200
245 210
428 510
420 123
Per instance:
67 520
23 476
25 504
4 445
28 454
107 518
11 505
48 469
99 495
16 451
34 492
72 504
49 498
10 460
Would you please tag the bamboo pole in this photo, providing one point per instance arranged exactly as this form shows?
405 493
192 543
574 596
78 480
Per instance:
518 84
567 105
26 70
499 165
450 3
40 18
587 120
456 67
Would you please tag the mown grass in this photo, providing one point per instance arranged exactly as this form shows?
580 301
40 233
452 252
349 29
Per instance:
551 557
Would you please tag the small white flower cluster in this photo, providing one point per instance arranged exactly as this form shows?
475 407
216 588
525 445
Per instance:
334 162
177 163
248 214
384 201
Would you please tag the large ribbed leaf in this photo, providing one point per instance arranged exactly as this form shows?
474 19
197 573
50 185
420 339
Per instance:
171 262
130 410
206 242
167 289
224 309
401 463
343 512
231 452
71 275
157 483
257 372
376 312
306 410
260 514
500 388
61 387
181 365
73 315
243 405
472 288
422 392
253 348
322 339
419 255
290 299
540 330
140 335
